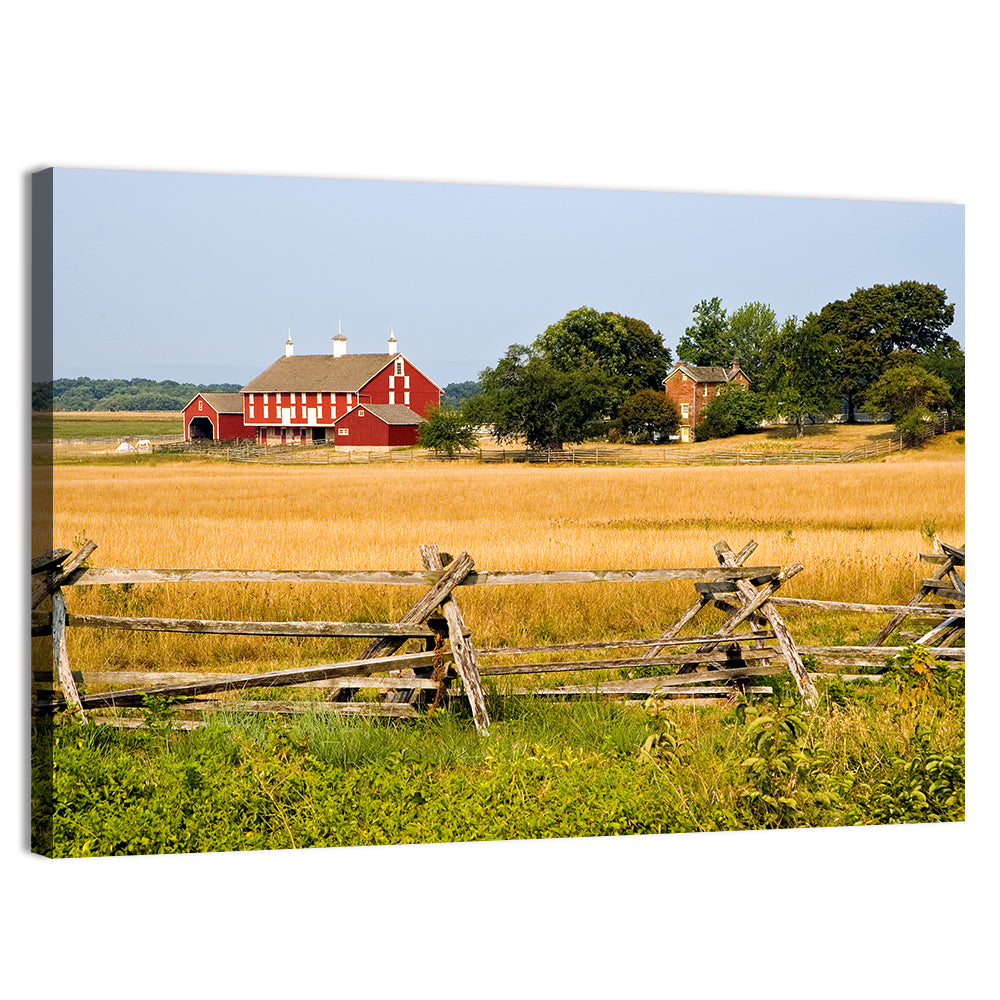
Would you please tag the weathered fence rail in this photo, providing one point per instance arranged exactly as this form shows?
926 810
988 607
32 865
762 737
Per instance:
753 642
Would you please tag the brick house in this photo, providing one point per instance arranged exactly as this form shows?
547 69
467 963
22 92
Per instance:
690 387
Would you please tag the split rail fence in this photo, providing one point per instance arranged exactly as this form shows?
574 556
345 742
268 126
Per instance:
707 668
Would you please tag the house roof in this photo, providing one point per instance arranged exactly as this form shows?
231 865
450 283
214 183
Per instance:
221 402
319 373
391 413
708 373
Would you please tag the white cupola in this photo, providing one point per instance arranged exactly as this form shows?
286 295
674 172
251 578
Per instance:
289 346
392 342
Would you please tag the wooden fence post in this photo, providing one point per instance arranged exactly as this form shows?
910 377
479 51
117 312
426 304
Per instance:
746 590
465 656
60 654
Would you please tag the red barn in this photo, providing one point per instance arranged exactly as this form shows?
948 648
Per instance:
215 416
692 386
300 399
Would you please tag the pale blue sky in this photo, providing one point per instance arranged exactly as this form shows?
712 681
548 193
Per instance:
198 277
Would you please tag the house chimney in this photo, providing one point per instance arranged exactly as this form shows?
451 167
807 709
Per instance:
392 342
289 346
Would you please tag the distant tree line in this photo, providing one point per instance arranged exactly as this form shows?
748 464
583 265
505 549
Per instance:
80 394
595 375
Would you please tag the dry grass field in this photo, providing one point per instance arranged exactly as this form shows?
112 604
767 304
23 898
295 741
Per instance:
857 529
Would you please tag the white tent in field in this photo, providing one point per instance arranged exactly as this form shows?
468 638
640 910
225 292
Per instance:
125 446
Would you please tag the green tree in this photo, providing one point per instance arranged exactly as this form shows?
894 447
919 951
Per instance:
947 360
646 415
799 377
448 430
751 328
874 322
706 340
910 393
527 396
733 411
625 349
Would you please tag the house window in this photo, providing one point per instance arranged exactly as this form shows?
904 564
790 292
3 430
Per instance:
342 431
704 390
685 410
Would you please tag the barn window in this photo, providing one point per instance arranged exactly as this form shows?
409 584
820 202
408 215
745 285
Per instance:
392 397
406 382
342 431
201 405
251 409
361 413
350 399
266 413
406 399
399 367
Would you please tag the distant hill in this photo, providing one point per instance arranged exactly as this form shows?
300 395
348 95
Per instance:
455 392
80 394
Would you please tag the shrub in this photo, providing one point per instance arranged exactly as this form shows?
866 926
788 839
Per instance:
732 411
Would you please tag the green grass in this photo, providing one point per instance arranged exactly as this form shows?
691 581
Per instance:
891 753
86 426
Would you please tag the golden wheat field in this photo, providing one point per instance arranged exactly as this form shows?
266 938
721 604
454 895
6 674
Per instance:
857 529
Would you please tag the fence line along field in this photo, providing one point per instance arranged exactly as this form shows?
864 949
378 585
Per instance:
857 530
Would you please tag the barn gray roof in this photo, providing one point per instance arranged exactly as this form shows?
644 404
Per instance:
319 373
223 402
391 413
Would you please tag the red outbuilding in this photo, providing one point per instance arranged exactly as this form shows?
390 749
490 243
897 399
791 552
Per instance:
215 416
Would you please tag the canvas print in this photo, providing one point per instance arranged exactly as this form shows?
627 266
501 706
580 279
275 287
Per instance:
380 513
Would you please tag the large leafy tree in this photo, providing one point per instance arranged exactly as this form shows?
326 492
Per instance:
716 337
751 328
647 415
799 376
874 322
527 396
706 340
626 350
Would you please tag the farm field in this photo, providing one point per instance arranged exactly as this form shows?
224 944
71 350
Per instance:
868 754
83 425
